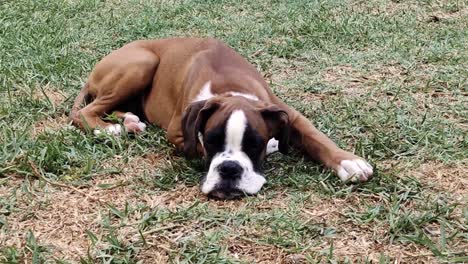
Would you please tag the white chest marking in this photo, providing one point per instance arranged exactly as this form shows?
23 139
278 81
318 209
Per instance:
205 92
235 129
248 96
200 139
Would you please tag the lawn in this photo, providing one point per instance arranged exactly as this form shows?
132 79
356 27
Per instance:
384 79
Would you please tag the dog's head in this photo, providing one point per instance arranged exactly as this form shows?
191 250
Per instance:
232 132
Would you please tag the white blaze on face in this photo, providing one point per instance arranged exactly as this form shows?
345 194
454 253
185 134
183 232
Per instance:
250 181
235 129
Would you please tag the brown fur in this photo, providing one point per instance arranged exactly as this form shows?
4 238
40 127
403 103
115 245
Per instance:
168 74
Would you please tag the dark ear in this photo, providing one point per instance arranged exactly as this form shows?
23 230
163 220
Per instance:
194 121
277 121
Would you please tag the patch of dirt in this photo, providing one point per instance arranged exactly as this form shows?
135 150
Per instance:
48 93
442 100
246 250
424 13
50 124
40 93
9 184
262 203
389 8
239 246
351 81
312 100
355 83
443 178
60 216
180 196
370 240
287 69
358 242
440 15
153 256
350 241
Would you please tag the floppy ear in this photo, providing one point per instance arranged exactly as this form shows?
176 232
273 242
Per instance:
277 121
193 122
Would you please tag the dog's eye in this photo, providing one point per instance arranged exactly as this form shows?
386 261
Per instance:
259 146
254 143
214 139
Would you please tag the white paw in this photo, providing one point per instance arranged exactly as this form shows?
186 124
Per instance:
114 130
272 146
129 117
132 123
356 170
141 126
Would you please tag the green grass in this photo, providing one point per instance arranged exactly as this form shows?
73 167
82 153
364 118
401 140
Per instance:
385 79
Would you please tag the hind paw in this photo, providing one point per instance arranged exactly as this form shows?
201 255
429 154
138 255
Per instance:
132 123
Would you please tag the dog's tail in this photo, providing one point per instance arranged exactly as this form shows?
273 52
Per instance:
81 98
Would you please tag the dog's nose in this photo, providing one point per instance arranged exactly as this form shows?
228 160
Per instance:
230 169
226 195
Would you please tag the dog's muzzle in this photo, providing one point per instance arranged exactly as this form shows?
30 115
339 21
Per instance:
230 170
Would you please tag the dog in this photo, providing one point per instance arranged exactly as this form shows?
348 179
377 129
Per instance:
213 103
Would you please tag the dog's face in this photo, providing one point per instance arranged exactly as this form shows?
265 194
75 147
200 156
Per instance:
233 133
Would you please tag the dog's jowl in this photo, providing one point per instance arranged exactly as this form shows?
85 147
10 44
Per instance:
213 103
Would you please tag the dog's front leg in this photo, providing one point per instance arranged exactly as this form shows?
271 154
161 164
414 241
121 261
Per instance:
318 146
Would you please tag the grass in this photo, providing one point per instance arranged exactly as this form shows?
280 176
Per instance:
385 79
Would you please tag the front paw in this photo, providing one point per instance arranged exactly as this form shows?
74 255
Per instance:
354 169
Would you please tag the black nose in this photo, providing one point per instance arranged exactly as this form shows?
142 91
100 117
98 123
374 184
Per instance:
230 169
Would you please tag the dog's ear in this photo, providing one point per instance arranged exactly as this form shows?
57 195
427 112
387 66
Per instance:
277 121
193 122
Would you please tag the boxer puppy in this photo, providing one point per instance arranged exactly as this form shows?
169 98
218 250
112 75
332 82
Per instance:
213 103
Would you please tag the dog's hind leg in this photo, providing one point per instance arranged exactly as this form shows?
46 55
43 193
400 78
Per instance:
123 74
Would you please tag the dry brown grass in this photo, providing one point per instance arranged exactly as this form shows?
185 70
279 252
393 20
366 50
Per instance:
356 242
440 15
48 124
48 93
59 216
62 215
411 74
444 178
244 249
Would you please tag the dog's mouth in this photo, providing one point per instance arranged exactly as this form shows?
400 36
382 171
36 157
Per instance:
226 194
